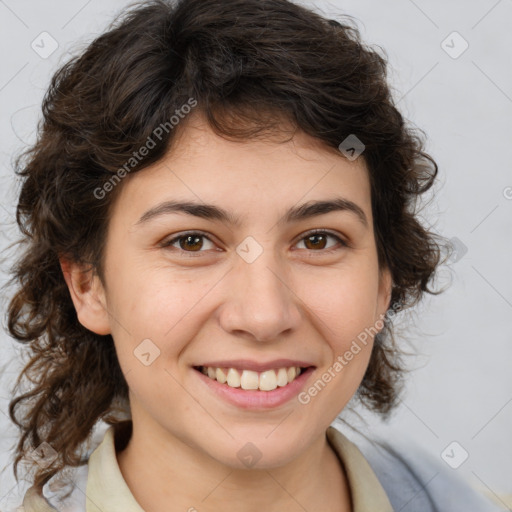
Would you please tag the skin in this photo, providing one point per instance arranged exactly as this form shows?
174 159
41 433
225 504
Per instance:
296 300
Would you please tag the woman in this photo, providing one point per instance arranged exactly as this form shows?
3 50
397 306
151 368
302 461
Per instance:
220 227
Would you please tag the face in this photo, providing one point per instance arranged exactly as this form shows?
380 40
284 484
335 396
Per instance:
238 279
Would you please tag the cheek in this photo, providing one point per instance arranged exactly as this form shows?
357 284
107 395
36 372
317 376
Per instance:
343 304
344 314
156 304
155 319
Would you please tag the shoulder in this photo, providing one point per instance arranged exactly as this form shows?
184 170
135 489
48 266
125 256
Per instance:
415 481
70 489
64 493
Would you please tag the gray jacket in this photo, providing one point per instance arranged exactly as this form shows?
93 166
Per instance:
415 481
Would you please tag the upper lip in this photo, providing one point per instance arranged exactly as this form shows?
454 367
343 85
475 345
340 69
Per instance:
246 364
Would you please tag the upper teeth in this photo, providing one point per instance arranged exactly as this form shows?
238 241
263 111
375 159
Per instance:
248 379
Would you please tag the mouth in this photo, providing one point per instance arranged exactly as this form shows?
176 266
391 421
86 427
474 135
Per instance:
250 380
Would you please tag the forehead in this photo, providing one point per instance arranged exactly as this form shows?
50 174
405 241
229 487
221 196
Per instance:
253 178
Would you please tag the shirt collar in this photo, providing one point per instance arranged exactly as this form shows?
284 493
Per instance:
365 488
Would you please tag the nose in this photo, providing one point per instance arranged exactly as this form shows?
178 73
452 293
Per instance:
260 304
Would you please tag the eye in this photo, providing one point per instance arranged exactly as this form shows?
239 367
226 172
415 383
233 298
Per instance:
188 242
316 240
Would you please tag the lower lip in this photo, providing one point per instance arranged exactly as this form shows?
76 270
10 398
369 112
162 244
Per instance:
256 399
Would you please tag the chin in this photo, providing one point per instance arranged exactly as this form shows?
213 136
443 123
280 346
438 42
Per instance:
258 451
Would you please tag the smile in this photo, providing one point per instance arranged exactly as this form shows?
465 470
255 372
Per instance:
252 380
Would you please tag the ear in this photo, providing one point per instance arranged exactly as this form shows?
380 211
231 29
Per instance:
385 290
88 296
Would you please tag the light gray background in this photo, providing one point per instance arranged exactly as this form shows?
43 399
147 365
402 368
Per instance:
461 386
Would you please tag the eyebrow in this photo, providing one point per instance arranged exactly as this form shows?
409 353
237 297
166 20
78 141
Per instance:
294 214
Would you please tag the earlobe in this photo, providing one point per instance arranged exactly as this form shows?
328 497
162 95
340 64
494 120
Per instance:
88 296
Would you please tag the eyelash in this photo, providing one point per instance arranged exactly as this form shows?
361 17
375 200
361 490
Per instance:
170 242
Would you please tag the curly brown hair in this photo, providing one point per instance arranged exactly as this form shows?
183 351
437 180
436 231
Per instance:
251 64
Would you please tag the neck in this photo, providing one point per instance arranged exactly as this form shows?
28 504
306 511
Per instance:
163 471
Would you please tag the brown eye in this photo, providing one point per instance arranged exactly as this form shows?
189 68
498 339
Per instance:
191 242
315 241
188 242
318 240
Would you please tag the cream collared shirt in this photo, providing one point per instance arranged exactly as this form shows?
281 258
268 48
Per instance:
107 491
